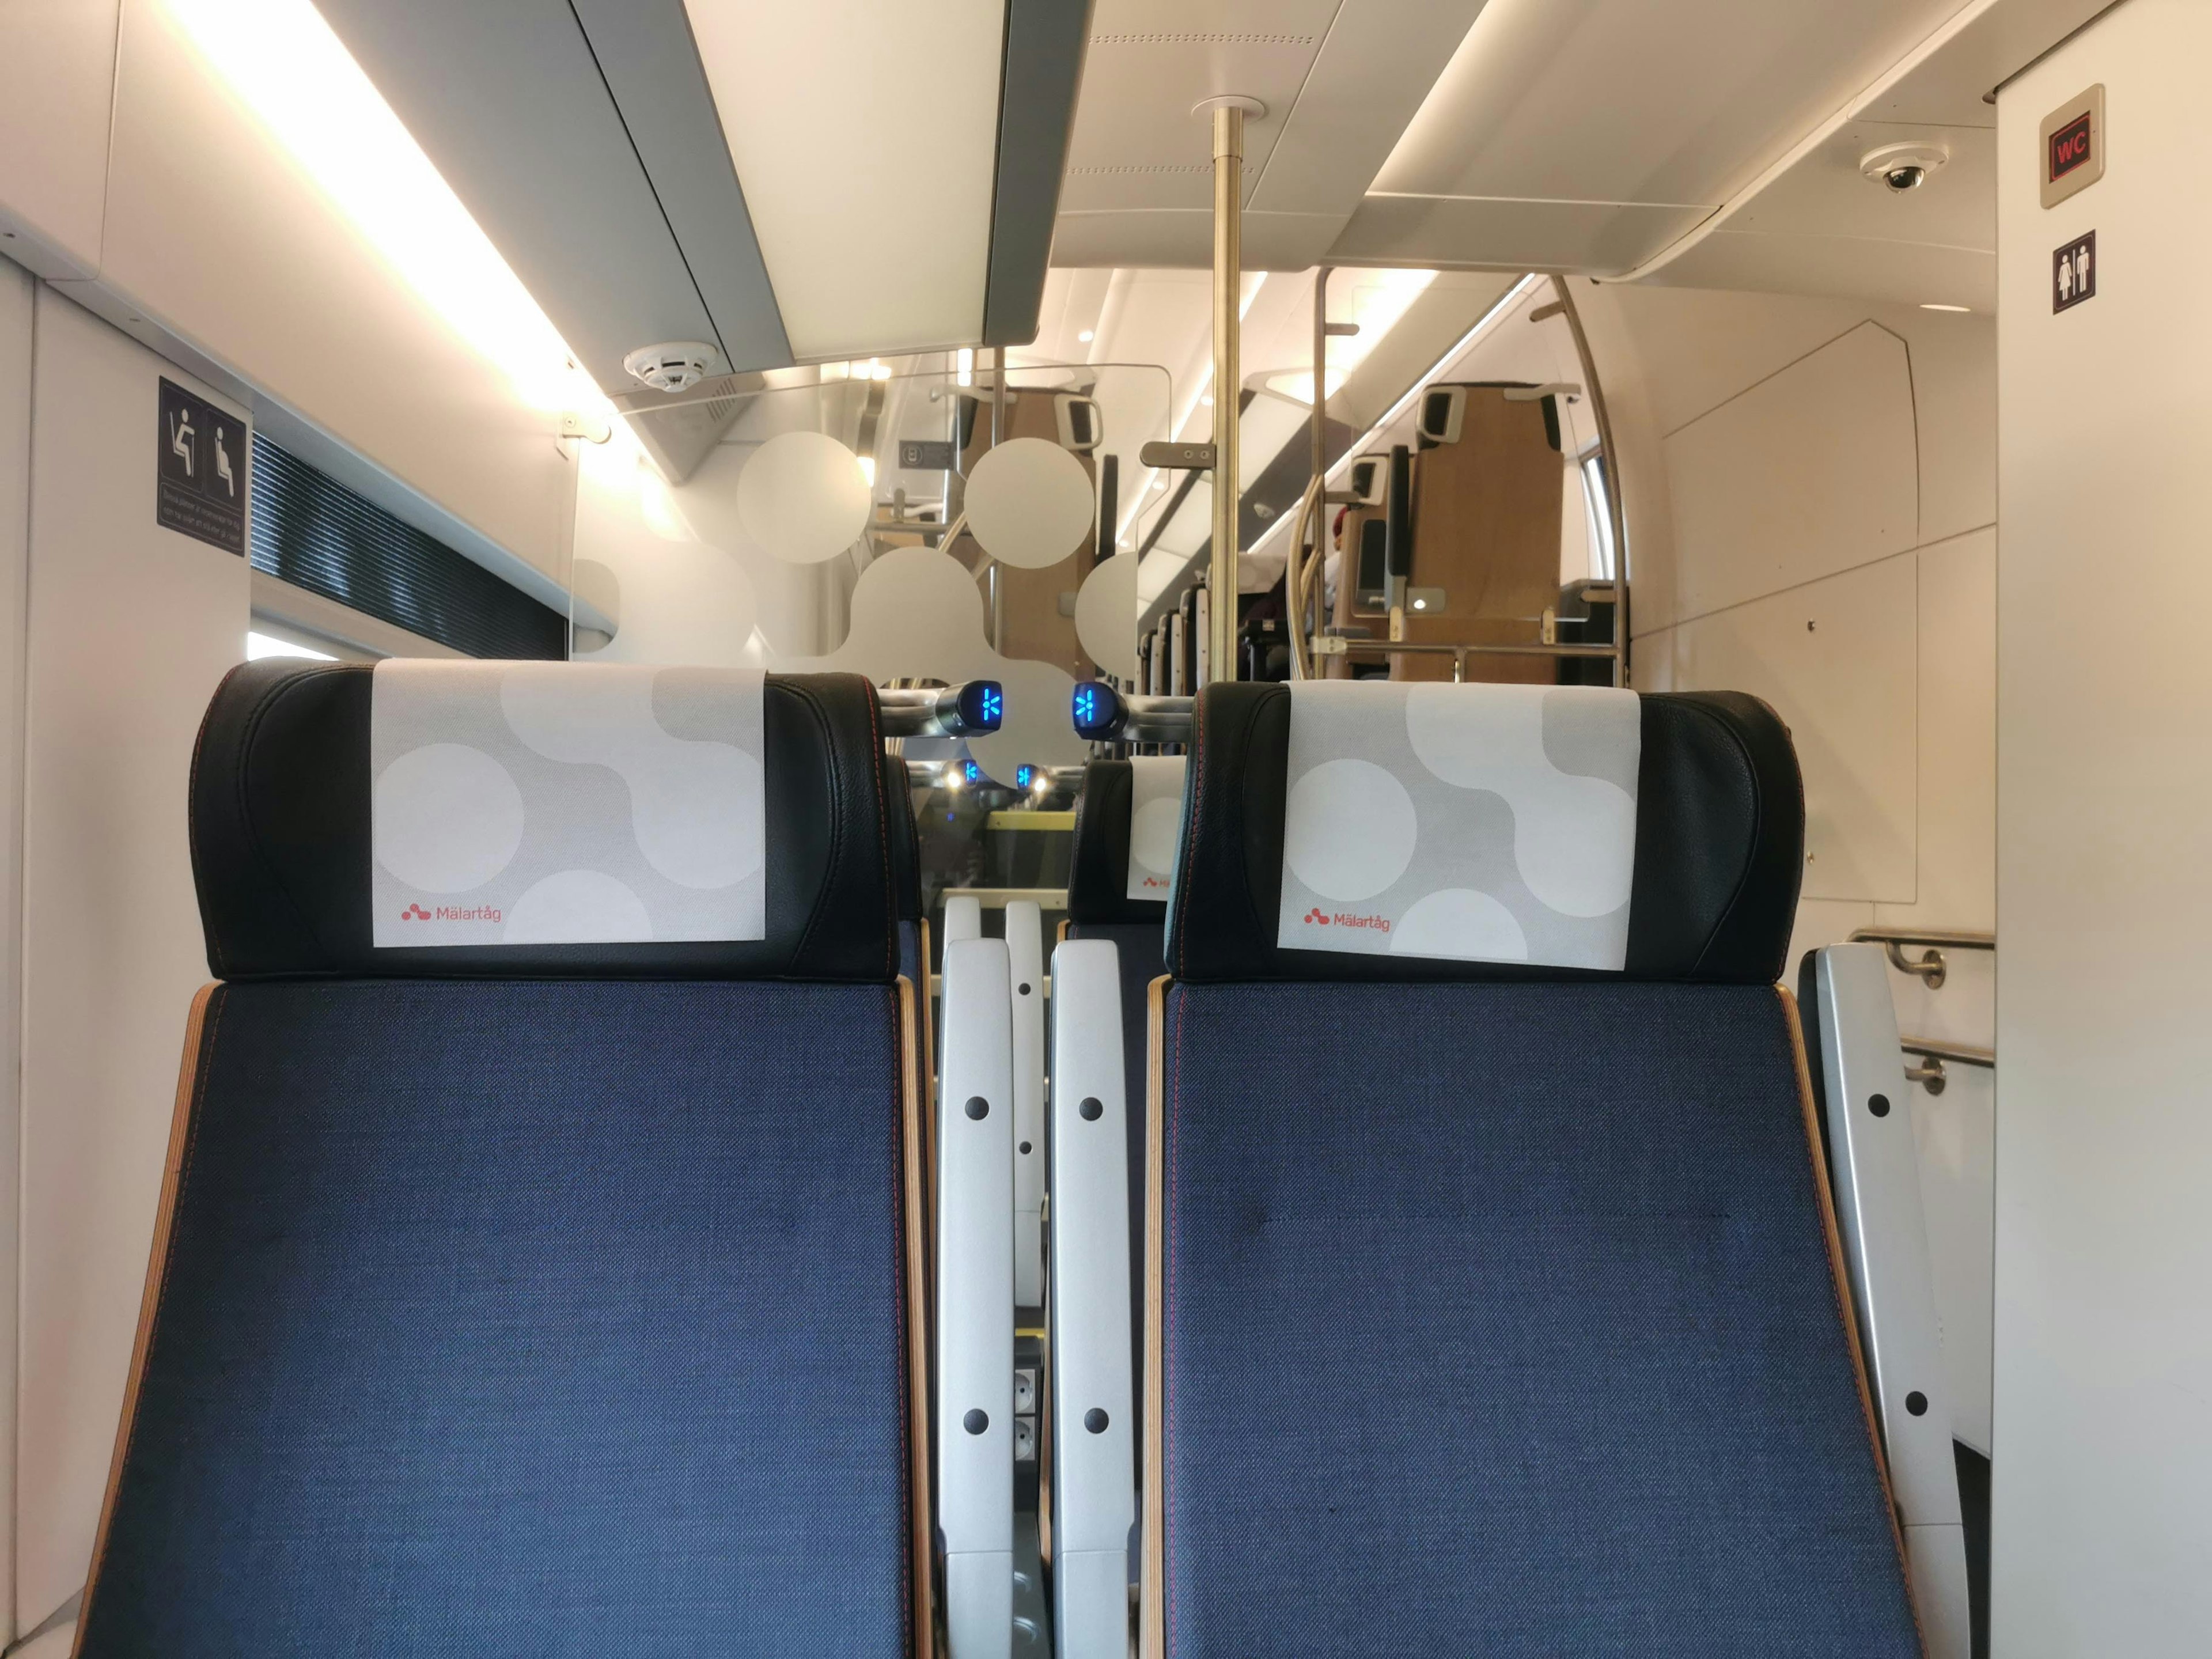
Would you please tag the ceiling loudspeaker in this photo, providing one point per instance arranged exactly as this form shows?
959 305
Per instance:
673 367
1443 412
1370 479
1079 421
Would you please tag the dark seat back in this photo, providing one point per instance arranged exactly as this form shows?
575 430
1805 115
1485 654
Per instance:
1100 906
531 1299
1500 1307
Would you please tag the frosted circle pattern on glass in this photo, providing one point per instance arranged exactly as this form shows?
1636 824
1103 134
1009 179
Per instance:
448 818
803 497
1029 503
1349 829
1152 830
1106 615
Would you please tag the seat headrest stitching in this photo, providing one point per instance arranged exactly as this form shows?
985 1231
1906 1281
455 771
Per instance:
824 724
263 708
192 817
1751 845
883 835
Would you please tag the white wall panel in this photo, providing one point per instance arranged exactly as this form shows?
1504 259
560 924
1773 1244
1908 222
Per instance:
57 74
1954 398
16 306
1957 740
1810 472
217 232
132 626
1836 660
2102 1521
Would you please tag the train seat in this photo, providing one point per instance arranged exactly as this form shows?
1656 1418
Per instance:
556 1289
1494 1301
1119 870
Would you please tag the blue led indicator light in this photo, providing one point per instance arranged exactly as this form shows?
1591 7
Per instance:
972 772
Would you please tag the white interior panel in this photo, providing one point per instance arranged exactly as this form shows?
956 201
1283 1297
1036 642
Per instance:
1958 740
824 91
1507 232
2101 1524
1810 472
1697 102
17 305
1836 660
1136 143
57 74
132 626
215 230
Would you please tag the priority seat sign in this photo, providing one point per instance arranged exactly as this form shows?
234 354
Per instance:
200 470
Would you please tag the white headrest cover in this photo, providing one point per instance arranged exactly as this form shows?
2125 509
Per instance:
566 803
1487 823
1155 822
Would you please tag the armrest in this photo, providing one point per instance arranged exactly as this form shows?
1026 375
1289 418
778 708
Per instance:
975 1301
963 919
1875 1166
1094 1466
1025 958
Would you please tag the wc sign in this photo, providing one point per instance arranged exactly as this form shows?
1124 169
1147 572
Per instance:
2073 139
2074 273
199 488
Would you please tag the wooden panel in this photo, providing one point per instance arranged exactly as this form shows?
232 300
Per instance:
1486 530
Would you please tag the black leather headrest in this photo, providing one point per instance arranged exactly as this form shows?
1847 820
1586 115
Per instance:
1098 864
281 843
905 839
1720 832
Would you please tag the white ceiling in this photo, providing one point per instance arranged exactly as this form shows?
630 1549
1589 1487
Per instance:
1340 79
823 93
1604 137
1815 224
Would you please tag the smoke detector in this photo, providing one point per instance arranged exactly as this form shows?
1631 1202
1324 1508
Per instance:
674 368
1899 167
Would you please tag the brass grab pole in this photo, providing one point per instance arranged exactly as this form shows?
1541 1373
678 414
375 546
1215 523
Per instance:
1228 113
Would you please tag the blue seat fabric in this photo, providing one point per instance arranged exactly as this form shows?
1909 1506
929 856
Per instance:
527 1318
1500 1320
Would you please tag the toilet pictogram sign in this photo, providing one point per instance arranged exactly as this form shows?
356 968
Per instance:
2074 273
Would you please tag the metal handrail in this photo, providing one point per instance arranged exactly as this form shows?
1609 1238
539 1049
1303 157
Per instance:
1932 1076
1931 967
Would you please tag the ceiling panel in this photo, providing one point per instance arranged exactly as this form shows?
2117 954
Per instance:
1813 224
1506 233
506 98
1622 100
873 245
645 52
1340 78
1136 143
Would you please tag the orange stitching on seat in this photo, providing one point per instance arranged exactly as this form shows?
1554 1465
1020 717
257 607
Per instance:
1846 1319
882 837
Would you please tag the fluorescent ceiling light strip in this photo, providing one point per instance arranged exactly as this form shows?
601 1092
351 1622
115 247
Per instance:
1503 307
282 60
